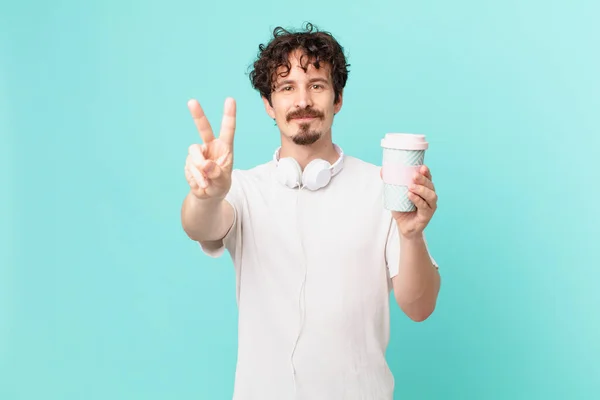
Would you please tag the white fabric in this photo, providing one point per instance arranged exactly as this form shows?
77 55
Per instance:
313 272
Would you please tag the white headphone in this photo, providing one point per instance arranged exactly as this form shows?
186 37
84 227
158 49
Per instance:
316 175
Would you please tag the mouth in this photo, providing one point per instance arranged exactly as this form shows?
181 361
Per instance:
303 119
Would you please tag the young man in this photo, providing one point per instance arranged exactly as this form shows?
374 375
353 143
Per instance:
315 253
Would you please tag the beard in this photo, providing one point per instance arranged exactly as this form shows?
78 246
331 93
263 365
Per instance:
306 136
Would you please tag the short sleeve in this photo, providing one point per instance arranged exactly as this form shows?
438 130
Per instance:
392 250
232 239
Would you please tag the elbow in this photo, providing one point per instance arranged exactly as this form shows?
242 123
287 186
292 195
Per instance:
418 311
189 233
421 308
192 231
186 226
420 315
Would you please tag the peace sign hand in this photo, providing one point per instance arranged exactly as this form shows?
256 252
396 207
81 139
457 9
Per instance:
208 165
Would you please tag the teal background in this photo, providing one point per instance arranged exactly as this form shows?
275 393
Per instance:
102 296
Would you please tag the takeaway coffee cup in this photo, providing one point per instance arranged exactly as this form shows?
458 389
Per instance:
403 155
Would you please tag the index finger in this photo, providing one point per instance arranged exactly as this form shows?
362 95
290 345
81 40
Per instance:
228 122
201 122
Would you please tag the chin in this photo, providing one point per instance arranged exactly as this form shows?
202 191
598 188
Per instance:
304 139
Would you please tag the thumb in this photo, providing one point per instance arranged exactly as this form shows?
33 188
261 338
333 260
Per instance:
212 170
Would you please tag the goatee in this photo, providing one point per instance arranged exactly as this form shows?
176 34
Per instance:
305 136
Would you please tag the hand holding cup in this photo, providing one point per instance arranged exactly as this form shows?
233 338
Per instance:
409 192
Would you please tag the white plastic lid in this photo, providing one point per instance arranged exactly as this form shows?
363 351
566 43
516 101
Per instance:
404 141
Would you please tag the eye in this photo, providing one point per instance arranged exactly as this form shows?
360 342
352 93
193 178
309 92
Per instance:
286 88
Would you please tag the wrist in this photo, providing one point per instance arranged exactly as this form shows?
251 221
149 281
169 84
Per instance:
208 202
411 237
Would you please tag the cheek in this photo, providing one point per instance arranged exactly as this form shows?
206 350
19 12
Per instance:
281 113
279 110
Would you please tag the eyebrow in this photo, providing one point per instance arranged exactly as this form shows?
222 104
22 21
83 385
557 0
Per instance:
313 80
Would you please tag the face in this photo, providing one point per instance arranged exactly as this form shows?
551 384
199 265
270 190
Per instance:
303 102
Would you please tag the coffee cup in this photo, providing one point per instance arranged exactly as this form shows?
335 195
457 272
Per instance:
403 156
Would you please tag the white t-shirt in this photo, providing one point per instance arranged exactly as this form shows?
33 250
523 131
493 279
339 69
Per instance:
313 273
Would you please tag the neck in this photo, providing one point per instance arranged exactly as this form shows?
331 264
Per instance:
322 148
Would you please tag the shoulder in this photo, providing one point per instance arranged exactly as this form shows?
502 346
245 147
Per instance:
361 171
358 164
361 189
246 182
254 176
359 181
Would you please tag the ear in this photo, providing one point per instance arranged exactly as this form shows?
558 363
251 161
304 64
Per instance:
338 105
268 108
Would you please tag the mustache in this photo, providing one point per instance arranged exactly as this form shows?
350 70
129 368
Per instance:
309 113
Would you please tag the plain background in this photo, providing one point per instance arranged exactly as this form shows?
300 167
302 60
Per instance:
102 296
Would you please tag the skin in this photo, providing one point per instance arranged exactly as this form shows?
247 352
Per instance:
303 106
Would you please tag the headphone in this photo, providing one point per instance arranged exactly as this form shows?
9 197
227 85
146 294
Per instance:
316 175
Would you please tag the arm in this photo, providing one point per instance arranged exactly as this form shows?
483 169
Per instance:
417 284
206 216
206 220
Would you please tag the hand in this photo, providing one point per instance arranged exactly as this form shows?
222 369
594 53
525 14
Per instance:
208 165
422 194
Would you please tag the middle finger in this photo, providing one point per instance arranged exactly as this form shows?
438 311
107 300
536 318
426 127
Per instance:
422 180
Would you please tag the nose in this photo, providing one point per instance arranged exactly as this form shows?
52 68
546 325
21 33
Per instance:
303 99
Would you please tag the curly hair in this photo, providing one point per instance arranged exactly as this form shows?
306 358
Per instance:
318 48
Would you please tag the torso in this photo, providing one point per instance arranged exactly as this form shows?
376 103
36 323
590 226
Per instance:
336 238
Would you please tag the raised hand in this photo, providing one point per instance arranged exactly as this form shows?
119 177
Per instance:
208 165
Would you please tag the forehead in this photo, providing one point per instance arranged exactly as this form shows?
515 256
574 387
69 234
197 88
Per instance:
302 68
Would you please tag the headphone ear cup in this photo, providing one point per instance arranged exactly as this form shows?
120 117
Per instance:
289 172
317 174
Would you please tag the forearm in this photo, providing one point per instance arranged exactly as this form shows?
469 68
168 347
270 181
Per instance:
417 284
205 220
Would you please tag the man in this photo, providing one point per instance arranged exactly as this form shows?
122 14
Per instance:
315 253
